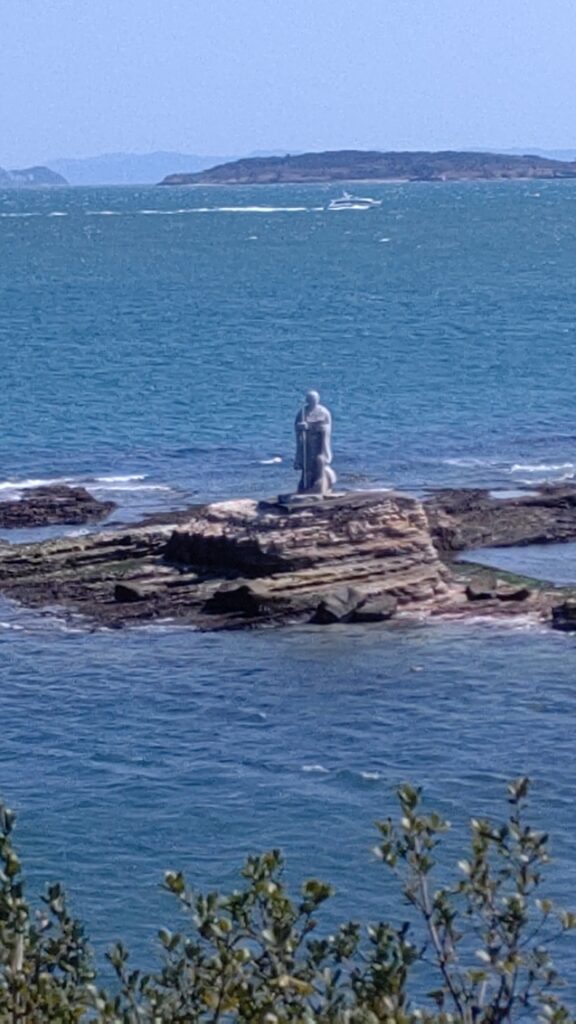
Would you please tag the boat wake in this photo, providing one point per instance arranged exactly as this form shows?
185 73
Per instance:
230 209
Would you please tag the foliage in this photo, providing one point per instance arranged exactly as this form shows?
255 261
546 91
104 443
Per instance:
495 904
45 963
256 956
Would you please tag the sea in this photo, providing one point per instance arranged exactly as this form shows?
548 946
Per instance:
155 346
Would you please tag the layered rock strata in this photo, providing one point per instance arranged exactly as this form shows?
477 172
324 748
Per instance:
241 563
357 557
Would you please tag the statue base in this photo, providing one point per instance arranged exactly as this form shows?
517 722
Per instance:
298 501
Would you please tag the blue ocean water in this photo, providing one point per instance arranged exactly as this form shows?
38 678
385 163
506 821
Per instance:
169 334
554 563
155 344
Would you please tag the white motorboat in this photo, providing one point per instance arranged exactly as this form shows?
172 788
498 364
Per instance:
349 202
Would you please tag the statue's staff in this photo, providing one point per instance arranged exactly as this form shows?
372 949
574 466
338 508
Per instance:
304 452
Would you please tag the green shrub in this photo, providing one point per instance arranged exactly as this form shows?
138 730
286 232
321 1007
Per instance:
255 955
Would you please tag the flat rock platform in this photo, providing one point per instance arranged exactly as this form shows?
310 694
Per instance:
353 557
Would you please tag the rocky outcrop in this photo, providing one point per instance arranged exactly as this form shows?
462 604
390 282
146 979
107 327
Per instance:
235 564
376 542
461 519
53 505
351 558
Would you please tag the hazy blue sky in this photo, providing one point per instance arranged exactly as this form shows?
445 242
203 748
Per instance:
80 77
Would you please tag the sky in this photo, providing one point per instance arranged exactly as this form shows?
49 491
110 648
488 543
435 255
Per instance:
82 77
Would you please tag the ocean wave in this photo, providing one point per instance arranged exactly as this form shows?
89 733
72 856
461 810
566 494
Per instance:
26 485
472 462
130 482
541 467
120 479
533 481
103 213
319 768
370 776
117 488
271 462
505 466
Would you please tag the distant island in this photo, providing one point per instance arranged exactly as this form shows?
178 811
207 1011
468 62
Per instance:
30 176
358 165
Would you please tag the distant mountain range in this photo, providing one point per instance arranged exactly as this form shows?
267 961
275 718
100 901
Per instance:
357 165
176 167
30 176
130 168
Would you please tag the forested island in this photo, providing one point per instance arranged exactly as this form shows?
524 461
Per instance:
358 165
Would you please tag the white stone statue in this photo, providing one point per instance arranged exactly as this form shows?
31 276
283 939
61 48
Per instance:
314 447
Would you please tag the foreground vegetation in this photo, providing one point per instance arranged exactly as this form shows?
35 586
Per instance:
257 955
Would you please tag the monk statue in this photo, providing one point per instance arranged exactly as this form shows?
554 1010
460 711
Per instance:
314 447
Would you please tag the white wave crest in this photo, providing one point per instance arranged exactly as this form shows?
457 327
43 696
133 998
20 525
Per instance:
370 776
271 462
118 488
533 481
541 467
471 463
130 482
315 768
120 479
26 485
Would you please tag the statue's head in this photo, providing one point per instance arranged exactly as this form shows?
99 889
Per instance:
312 399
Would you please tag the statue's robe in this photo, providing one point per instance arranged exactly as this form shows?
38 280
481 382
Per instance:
313 450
